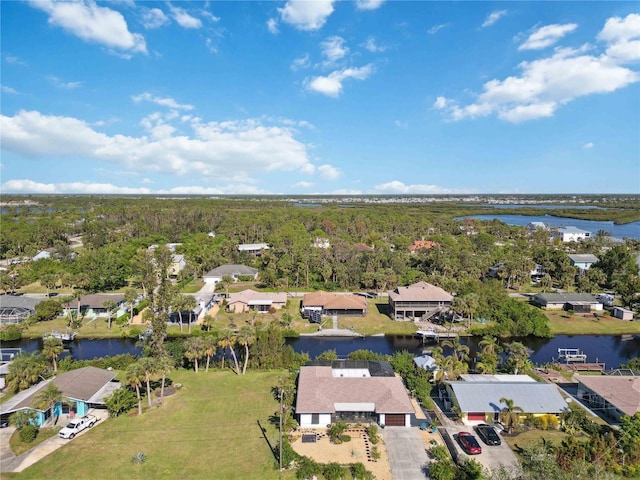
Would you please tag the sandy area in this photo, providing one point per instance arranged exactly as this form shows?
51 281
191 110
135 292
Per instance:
323 451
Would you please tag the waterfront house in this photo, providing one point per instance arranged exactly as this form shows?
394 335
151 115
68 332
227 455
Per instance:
250 300
234 271
93 305
418 301
328 304
17 308
477 397
351 391
622 313
578 302
570 234
582 261
81 389
611 395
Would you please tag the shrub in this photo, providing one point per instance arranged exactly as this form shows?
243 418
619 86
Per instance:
28 433
138 458
541 423
440 453
345 438
359 472
10 333
375 453
372 431
335 432
308 469
121 401
333 471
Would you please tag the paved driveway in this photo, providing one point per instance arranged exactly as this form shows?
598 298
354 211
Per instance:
491 457
407 454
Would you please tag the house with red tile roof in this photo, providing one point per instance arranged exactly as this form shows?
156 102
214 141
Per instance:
423 245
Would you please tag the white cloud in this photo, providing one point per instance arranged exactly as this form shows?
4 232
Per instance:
184 19
29 186
272 25
622 36
299 63
588 145
333 49
6 89
396 186
146 181
93 23
64 85
164 102
368 4
329 172
548 83
306 15
210 16
153 18
372 46
233 146
15 60
304 184
436 28
494 17
547 36
331 85
400 124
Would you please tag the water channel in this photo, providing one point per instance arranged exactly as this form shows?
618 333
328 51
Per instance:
611 349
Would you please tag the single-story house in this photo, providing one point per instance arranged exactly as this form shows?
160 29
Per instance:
578 302
42 254
422 245
178 263
329 304
583 261
253 248
426 362
570 234
92 305
351 391
622 313
262 302
418 300
17 308
233 271
81 389
478 397
611 395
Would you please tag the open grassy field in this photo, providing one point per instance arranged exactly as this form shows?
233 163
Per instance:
208 429
561 323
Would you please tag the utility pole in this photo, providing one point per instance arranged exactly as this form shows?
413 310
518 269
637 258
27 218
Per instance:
280 451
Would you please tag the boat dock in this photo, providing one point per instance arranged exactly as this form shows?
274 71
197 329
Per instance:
571 355
582 367
64 336
433 335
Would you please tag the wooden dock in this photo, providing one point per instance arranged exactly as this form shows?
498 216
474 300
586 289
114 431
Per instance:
582 367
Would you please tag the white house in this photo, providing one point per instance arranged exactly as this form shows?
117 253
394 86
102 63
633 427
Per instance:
571 234
253 248
583 261
233 271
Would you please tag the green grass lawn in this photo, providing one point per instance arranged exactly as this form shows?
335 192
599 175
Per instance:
208 429
561 323
18 446
533 437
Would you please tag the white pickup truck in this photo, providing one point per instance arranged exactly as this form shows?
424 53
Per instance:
76 425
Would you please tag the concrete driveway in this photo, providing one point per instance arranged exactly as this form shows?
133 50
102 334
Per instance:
407 454
491 457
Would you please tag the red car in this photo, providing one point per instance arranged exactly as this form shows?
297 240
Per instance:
469 443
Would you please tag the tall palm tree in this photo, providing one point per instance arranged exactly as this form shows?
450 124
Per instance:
51 349
228 340
518 356
164 364
510 415
194 350
48 397
130 295
246 337
109 306
134 376
460 352
210 347
148 364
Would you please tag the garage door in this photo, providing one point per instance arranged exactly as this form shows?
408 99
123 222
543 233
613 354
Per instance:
475 417
394 420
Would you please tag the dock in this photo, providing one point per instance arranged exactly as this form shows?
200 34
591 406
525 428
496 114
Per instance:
433 335
64 336
582 367
571 355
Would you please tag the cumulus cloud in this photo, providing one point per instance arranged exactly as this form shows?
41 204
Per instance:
329 172
162 101
184 19
331 85
232 146
368 4
623 37
93 23
372 46
436 28
61 84
305 15
588 145
6 89
547 36
333 49
300 63
272 26
546 84
396 186
493 17
153 18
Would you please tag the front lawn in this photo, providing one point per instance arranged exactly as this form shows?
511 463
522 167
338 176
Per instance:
210 428
561 323
18 447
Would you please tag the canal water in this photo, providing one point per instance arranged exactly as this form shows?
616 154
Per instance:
610 349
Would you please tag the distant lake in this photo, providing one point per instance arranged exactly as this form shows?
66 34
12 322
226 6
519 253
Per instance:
504 206
302 204
628 230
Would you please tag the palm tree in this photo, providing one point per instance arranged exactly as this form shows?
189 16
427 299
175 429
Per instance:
164 364
25 370
51 349
228 340
48 397
510 413
109 305
460 352
246 337
518 356
22 418
210 347
194 350
130 295
134 376
148 364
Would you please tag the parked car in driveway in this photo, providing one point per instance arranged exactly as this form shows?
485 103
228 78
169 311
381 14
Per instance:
487 434
469 443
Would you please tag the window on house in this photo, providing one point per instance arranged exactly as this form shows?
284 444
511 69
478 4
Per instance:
315 418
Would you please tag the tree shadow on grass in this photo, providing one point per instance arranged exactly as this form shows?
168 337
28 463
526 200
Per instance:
263 430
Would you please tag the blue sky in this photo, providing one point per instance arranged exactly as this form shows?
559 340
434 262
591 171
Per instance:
320 97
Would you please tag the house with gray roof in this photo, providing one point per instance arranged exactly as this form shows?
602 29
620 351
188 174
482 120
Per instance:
583 261
479 400
578 302
611 395
17 308
233 271
354 392
82 389
418 301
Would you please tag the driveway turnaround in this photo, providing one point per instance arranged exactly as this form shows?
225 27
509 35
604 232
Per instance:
407 454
